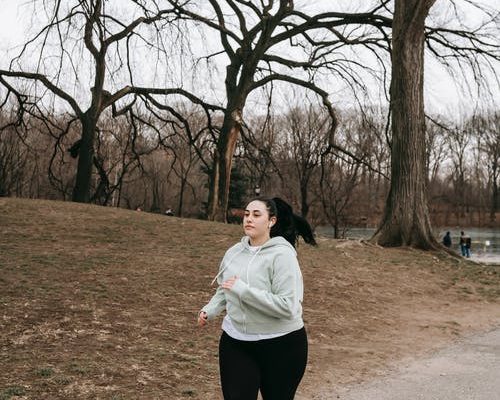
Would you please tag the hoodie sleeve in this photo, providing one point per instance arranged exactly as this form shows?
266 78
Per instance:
283 301
216 305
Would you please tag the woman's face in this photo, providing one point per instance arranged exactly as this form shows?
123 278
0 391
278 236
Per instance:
257 223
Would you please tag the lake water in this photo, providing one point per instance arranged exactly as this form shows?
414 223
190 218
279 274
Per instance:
485 242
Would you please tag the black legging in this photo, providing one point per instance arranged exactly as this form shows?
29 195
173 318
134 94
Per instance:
275 366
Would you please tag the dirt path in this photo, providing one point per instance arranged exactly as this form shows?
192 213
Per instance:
468 370
422 332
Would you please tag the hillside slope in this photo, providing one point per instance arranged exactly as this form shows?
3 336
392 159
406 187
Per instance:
101 303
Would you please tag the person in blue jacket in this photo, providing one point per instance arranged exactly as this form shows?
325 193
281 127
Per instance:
263 346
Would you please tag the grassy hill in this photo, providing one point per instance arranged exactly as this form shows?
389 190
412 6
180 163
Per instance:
101 303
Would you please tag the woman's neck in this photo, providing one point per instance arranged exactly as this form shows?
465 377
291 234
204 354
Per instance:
259 241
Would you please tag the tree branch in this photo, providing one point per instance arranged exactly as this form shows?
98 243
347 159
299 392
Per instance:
48 84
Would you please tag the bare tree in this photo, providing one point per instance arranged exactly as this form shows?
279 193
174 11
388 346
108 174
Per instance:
85 30
186 151
436 149
459 142
339 180
406 219
13 159
260 137
341 174
257 39
306 135
24 139
372 124
486 127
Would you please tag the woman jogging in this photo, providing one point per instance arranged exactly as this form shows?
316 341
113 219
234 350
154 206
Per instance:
263 344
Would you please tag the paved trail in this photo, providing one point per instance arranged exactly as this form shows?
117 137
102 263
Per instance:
469 370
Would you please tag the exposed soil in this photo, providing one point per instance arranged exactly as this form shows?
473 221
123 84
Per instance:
100 303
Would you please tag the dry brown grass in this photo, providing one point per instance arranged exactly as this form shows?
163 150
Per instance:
100 303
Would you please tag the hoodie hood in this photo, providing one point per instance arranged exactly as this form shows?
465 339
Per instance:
276 241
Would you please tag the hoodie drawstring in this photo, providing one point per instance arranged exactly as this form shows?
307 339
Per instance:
250 262
229 262
225 266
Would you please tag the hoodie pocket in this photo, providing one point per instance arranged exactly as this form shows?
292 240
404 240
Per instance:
234 308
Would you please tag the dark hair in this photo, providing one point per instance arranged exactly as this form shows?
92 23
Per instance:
288 225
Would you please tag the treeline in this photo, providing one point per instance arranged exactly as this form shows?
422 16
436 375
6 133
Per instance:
155 166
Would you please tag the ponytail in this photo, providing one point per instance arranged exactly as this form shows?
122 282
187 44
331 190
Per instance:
288 225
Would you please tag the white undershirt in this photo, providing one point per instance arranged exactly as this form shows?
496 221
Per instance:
228 327
254 249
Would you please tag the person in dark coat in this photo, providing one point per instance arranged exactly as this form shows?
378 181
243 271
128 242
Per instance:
447 240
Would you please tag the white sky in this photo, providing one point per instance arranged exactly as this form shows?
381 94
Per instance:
10 26
441 91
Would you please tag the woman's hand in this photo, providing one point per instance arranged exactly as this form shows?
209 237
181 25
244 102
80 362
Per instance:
202 318
229 283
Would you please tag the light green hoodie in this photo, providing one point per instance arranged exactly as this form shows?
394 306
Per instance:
267 296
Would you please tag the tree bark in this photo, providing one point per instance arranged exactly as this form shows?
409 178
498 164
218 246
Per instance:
406 219
181 196
81 191
221 173
304 203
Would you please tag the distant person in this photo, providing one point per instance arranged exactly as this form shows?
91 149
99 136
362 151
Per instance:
447 240
169 212
468 245
263 344
465 244
462 243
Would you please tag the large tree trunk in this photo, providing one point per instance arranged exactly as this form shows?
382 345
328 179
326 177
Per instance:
221 172
181 196
406 219
304 203
81 191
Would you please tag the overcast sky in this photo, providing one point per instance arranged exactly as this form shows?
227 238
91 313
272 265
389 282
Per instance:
441 91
